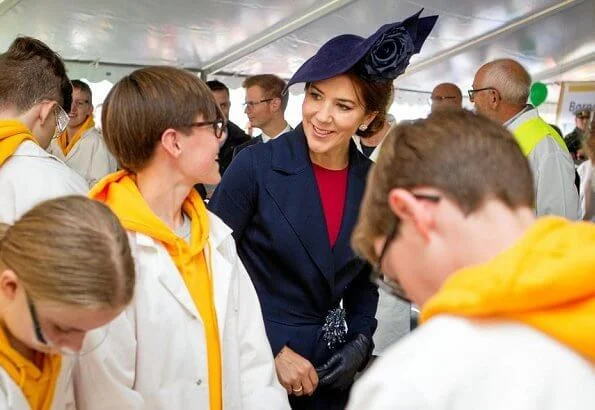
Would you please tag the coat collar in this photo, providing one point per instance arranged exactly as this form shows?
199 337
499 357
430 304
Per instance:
221 263
293 186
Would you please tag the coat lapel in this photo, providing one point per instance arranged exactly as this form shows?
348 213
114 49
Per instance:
292 185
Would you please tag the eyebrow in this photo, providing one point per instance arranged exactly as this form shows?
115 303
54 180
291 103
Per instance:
344 100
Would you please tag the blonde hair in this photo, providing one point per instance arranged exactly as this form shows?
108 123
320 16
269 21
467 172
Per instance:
468 157
72 251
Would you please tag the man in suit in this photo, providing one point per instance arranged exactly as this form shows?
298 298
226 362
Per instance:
235 135
265 107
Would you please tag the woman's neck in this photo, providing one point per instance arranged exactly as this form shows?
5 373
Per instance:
164 194
335 159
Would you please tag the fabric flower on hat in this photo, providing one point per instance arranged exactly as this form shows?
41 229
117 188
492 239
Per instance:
389 56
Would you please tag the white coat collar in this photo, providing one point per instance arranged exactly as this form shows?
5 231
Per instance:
221 257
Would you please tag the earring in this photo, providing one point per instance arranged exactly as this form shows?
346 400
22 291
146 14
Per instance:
363 127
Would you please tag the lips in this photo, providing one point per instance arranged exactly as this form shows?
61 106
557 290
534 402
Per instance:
321 132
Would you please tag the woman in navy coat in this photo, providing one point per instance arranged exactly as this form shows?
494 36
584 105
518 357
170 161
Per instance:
293 202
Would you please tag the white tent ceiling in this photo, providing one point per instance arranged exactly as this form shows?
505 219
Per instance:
554 39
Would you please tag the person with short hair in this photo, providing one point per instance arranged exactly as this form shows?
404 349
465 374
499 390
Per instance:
500 91
235 135
292 204
446 96
65 270
81 145
194 336
507 300
265 107
34 90
574 140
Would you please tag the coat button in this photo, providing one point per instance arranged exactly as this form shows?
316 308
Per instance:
198 382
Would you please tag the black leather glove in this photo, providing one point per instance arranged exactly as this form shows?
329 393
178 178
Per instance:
339 371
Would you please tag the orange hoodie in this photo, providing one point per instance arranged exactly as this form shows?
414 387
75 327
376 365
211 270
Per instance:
120 193
12 134
66 146
546 280
38 385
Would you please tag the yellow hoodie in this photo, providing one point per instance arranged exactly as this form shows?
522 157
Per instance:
38 385
62 140
546 280
12 134
120 193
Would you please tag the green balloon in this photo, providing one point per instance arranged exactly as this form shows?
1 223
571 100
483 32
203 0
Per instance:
538 94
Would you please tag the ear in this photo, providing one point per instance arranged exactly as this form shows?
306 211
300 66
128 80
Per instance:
368 118
410 210
495 99
9 284
46 111
276 104
171 142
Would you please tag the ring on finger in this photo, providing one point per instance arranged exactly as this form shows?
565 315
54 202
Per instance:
297 390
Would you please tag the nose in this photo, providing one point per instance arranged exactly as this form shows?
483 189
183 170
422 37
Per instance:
324 113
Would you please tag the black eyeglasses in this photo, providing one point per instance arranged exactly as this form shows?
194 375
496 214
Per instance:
390 286
472 92
252 104
218 126
35 319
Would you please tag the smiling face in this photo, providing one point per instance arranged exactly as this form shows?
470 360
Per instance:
199 153
331 113
81 109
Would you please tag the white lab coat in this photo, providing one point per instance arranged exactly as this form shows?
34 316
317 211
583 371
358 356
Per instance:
393 315
553 174
155 354
457 363
12 397
89 157
31 176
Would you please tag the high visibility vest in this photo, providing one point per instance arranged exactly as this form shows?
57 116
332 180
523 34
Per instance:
531 132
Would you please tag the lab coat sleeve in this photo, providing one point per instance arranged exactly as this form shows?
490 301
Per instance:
234 200
556 193
104 378
260 386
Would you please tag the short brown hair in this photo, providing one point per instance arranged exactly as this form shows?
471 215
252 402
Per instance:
142 105
376 96
272 86
72 251
84 87
467 156
31 73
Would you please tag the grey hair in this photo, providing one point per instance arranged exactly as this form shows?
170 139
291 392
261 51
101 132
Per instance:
510 78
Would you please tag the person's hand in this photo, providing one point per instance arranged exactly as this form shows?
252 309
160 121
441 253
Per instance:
339 371
295 373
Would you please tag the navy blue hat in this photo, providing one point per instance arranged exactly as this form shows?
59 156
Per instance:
382 56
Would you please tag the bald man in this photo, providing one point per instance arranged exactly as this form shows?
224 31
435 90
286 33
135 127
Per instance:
446 95
500 91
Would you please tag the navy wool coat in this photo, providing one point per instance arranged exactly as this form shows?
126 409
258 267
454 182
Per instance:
270 198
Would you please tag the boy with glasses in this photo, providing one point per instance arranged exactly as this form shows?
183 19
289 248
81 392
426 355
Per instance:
508 300
34 90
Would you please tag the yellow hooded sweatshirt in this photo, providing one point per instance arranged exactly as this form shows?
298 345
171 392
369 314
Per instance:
120 193
546 280
63 138
12 134
38 385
